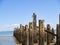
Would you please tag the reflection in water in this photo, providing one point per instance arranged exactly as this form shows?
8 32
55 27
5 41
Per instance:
8 40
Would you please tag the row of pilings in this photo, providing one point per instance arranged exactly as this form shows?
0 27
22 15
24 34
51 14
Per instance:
39 35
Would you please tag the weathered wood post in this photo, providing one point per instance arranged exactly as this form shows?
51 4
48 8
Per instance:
31 40
53 37
41 32
48 35
58 34
59 18
23 36
21 33
34 28
26 34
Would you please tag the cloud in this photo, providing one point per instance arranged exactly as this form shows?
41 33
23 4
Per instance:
8 27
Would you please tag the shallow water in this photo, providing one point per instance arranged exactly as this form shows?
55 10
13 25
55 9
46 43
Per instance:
7 40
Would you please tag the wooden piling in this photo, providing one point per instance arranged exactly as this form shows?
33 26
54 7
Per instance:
48 35
53 37
31 39
58 34
34 28
41 32
26 35
21 33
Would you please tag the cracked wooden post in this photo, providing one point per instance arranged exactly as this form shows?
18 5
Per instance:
58 34
53 37
48 36
23 35
31 41
34 28
26 34
41 32
21 32
59 18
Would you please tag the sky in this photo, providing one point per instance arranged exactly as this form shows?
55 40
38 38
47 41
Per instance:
16 12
